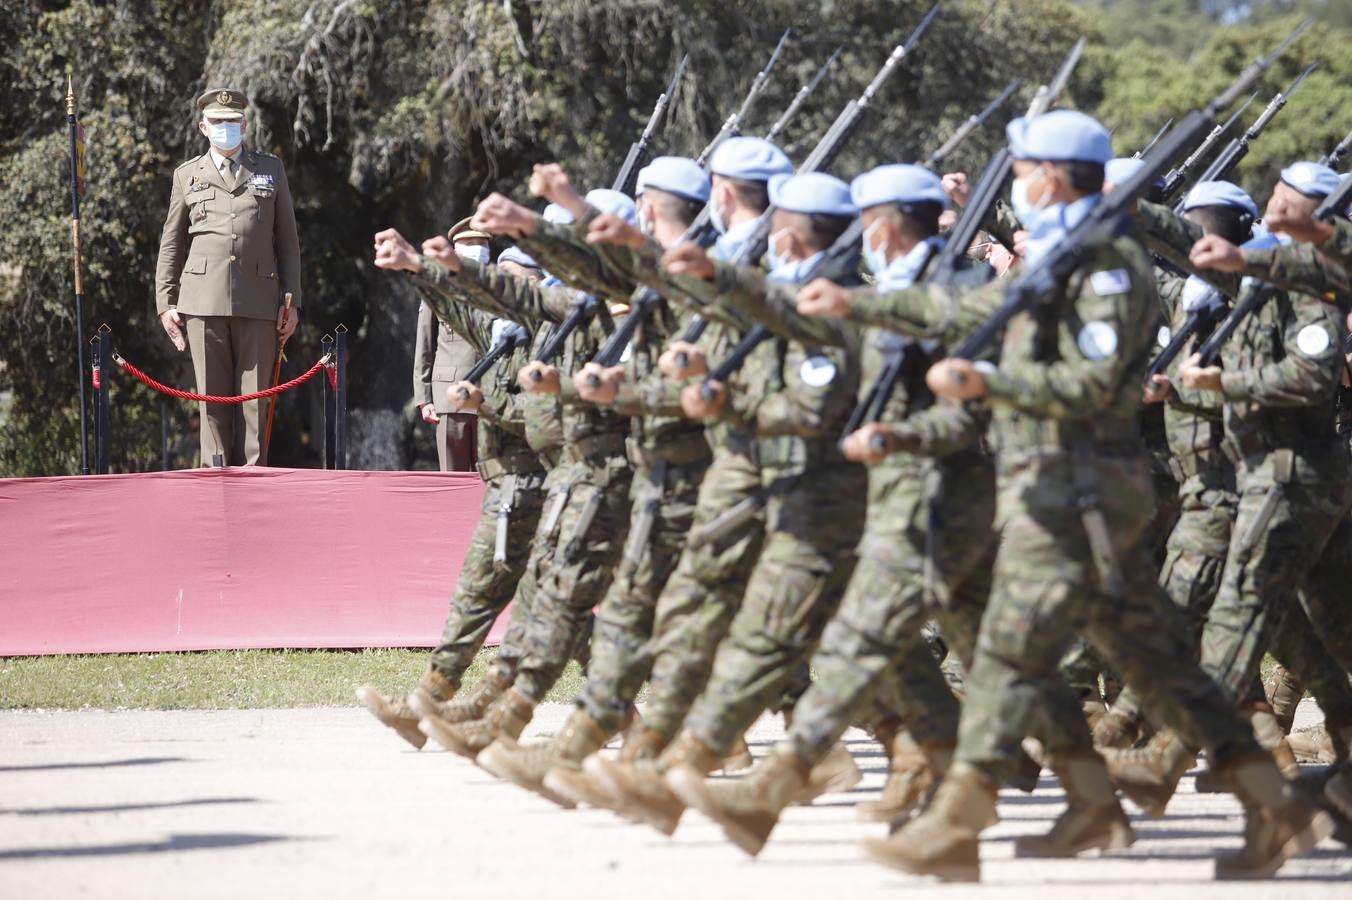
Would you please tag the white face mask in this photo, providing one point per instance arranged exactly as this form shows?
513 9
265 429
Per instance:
875 259
776 259
472 251
716 218
224 135
1023 208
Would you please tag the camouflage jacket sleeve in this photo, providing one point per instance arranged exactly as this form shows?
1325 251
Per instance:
652 395
926 311
941 429
1170 236
440 291
520 299
563 251
1307 374
1339 247
1302 268
1107 311
747 294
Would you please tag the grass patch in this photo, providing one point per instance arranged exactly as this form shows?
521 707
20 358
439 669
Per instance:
222 679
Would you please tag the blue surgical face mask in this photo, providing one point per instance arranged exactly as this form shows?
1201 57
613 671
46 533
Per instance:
224 135
875 259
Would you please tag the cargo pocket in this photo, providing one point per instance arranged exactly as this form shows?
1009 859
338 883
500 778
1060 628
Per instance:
267 270
196 265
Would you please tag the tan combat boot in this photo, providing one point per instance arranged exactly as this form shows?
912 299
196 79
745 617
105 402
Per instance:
747 809
1117 729
505 720
943 841
1284 693
641 791
578 787
834 773
527 766
916 769
1093 819
1312 744
1279 824
1149 775
474 705
739 758
397 712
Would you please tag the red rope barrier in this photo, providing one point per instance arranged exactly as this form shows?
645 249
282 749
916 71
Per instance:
212 398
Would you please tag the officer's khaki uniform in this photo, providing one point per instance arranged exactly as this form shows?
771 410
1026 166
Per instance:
441 358
228 253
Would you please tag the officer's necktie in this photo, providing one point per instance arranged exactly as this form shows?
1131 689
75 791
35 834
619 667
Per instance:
231 172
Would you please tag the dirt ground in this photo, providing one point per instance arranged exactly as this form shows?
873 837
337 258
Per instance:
326 803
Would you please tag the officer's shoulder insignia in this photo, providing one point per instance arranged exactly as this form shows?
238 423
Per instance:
1313 340
1097 340
1110 281
817 371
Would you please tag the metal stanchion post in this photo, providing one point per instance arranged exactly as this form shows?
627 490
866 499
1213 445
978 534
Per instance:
96 375
340 401
326 443
105 381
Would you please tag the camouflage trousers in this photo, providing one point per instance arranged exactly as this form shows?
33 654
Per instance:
486 586
1047 591
926 551
700 598
813 525
541 552
1285 583
592 521
1082 666
662 508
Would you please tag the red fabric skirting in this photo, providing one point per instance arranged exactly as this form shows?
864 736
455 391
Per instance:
231 558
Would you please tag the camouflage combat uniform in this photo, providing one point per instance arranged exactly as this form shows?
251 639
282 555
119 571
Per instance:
497 567
1064 401
588 515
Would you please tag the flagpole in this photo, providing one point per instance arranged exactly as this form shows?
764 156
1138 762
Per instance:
76 188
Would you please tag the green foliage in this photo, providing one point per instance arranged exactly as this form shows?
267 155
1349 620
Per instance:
406 113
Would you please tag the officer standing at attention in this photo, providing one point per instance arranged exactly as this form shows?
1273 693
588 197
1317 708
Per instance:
228 254
440 359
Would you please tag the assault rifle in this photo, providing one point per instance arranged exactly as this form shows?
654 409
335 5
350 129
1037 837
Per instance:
1176 177
1238 148
1334 157
801 97
733 124
1109 217
512 337
639 155
991 184
827 149
584 308
1253 299
972 124
1203 315
1154 140
836 261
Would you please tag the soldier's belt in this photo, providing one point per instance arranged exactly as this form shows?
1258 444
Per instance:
1184 467
611 443
792 452
679 449
516 464
1244 447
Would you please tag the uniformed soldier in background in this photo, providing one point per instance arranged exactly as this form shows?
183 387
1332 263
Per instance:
440 359
228 254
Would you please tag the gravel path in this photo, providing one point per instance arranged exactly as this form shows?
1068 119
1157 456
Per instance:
326 803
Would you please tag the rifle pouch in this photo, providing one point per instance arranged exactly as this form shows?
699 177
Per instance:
640 532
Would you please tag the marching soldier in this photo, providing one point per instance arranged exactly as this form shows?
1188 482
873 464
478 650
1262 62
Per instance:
228 254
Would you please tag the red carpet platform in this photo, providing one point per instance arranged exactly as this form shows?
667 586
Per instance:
231 558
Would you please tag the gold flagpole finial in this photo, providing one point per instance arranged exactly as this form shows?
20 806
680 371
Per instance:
70 94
